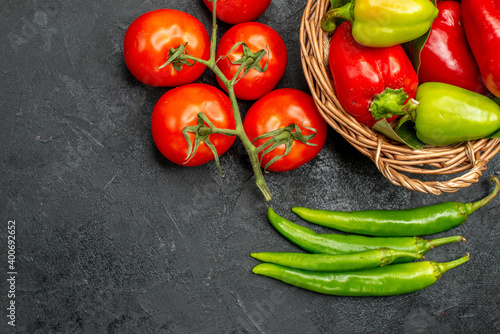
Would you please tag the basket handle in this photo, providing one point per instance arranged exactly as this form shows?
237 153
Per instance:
432 187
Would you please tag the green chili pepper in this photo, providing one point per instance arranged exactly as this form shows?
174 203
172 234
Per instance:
420 221
344 244
384 23
337 263
448 114
391 280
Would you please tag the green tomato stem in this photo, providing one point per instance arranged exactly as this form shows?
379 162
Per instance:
213 38
236 75
238 131
282 136
249 147
203 131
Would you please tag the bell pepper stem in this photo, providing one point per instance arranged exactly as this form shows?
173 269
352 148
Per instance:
392 102
336 3
344 12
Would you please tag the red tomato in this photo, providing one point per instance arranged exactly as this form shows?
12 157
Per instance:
256 36
279 109
179 108
238 11
148 41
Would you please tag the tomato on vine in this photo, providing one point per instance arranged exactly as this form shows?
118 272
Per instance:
238 11
232 54
153 37
297 144
181 134
196 123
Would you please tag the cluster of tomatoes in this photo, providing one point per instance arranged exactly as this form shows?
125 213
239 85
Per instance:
154 36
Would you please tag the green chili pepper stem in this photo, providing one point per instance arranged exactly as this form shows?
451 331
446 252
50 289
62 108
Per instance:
471 207
344 12
430 244
445 266
335 263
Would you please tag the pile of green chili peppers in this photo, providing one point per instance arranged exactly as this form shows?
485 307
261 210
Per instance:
375 261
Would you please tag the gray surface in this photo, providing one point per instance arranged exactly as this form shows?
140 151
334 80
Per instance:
113 238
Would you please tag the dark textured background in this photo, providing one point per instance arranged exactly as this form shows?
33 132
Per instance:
113 238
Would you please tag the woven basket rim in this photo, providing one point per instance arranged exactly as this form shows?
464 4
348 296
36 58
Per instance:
392 158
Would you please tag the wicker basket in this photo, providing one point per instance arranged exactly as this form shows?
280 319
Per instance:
390 157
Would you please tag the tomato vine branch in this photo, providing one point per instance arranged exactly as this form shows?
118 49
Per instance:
248 61
201 131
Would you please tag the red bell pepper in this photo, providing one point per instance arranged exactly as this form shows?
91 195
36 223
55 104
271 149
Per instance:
446 56
371 83
482 26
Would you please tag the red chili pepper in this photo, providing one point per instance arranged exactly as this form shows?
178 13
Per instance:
482 26
446 56
371 83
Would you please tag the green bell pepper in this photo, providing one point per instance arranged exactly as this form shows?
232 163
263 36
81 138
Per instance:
449 114
382 23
